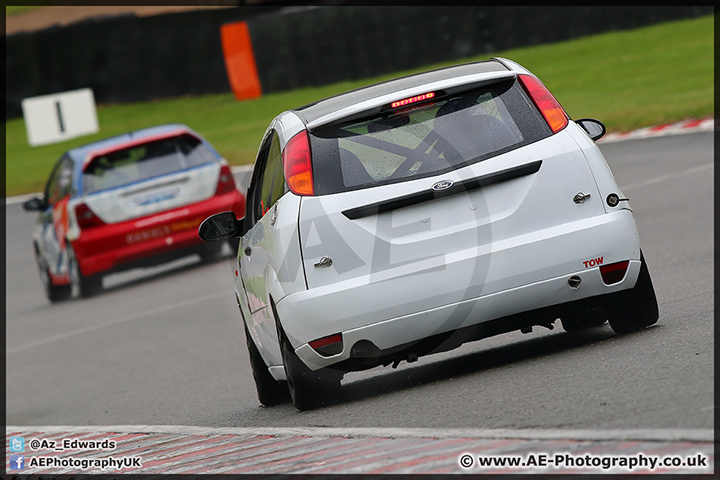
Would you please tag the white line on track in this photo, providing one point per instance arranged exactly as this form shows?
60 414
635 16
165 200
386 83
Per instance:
668 176
128 318
641 434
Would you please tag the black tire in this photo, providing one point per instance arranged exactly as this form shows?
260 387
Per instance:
270 392
308 389
80 284
210 252
575 321
54 293
634 309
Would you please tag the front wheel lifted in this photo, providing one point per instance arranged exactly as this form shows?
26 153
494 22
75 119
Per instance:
308 389
634 309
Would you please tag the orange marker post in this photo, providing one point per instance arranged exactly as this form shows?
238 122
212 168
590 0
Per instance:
240 60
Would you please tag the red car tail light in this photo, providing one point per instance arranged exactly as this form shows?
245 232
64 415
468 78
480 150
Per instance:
327 346
297 165
614 272
550 108
86 218
226 182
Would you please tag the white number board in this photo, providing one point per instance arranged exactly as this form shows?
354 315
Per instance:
59 116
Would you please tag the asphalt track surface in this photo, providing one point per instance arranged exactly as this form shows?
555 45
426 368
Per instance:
164 346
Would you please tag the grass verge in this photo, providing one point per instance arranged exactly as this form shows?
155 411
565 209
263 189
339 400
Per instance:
16 9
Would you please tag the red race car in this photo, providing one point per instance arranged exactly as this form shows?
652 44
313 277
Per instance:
129 201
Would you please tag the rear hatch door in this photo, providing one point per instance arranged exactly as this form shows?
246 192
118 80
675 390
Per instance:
427 206
149 178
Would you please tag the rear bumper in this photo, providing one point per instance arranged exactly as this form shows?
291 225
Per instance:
402 331
525 274
111 247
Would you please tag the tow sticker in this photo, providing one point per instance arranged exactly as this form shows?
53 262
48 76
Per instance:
593 262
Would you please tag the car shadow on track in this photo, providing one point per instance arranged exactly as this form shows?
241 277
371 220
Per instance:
472 363
139 276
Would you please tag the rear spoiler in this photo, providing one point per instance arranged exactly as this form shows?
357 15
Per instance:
375 105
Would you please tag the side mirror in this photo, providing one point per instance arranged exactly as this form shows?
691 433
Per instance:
220 226
34 204
594 128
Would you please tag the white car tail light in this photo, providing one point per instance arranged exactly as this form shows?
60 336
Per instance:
550 108
297 165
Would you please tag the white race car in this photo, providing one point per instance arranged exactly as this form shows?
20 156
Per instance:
408 217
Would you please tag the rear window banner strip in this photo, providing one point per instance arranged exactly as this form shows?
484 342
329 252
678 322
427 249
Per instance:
457 188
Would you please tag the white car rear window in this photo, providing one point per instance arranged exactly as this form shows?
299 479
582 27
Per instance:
145 161
433 137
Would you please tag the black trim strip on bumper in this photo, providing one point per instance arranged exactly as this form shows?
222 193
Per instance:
455 189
